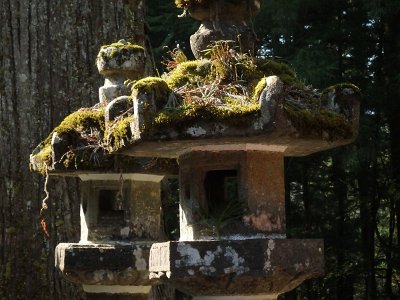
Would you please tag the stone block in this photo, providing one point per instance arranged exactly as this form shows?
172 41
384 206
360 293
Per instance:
104 264
237 267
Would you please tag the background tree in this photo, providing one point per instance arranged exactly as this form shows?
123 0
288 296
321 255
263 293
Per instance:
47 70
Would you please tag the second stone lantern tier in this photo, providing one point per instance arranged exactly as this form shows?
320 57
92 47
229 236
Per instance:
232 226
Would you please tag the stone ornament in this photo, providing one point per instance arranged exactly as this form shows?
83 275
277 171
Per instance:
118 62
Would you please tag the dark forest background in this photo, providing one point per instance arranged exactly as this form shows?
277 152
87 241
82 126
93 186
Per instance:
349 196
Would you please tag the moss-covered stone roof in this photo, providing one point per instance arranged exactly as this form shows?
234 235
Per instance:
224 96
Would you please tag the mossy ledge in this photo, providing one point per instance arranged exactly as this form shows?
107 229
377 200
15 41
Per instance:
83 130
329 125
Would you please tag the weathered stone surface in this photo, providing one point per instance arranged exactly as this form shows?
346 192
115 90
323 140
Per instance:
223 20
245 267
59 146
270 100
121 58
117 107
104 264
226 30
113 87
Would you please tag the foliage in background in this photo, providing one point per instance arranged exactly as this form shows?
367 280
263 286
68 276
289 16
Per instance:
349 196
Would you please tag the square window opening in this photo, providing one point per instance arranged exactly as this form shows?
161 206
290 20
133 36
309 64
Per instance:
222 195
111 208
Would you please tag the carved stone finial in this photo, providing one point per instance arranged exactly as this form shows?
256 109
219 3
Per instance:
118 62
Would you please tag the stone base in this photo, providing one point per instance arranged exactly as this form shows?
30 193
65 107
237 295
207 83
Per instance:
109 265
260 267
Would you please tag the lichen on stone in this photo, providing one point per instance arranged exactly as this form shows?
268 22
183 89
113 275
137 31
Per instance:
119 48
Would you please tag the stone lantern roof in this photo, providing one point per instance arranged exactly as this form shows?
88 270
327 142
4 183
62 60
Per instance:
247 101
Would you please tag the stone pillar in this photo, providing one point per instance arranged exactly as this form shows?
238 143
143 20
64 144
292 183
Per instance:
223 20
264 184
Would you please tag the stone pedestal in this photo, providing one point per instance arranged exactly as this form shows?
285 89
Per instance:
223 20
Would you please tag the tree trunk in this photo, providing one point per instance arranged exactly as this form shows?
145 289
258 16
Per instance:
47 70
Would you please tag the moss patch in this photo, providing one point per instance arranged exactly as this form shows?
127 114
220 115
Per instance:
154 85
78 128
120 133
260 86
309 123
118 49
188 72
269 67
81 120
187 115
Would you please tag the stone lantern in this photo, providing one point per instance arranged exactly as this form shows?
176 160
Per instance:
224 133
120 199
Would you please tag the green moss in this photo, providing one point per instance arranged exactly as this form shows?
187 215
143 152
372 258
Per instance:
270 67
308 122
258 90
188 72
154 85
234 115
45 159
121 133
81 120
118 49
45 155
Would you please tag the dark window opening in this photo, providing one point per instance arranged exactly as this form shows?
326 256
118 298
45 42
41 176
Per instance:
222 195
111 207
170 203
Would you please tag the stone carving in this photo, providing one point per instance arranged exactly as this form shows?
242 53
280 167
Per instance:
118 62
